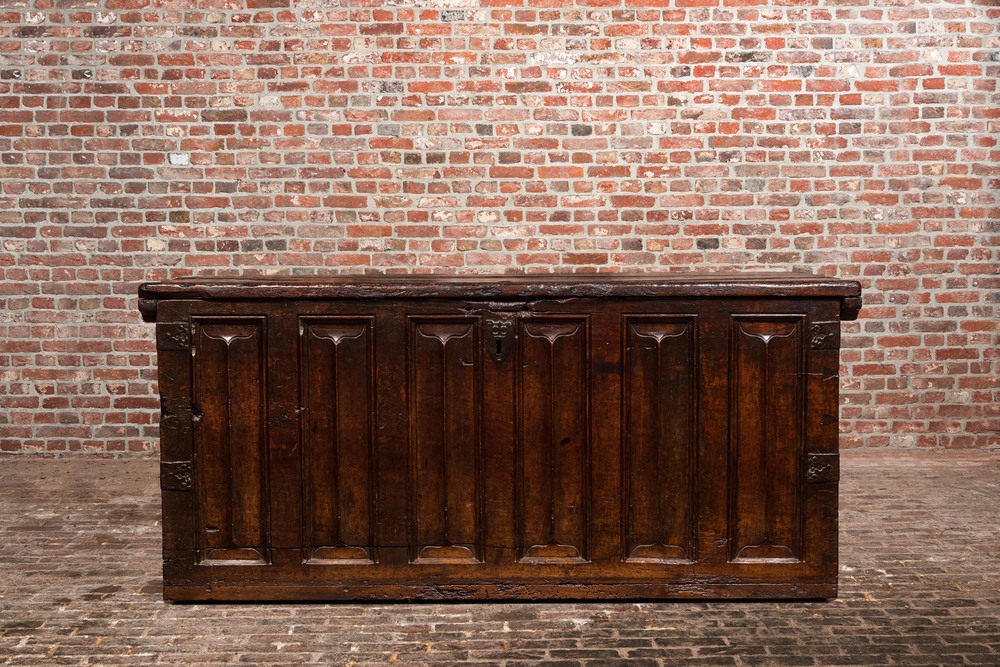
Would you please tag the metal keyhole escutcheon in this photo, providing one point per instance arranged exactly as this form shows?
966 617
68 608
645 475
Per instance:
500 337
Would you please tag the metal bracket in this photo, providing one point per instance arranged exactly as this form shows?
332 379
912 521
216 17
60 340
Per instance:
824 335
173 336
176 475
822 468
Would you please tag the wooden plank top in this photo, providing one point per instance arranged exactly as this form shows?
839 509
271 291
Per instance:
507 287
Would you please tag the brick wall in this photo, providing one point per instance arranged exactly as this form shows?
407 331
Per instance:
141 139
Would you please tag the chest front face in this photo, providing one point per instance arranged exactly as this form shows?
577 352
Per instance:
429 448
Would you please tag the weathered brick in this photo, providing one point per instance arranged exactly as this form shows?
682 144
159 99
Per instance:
268 136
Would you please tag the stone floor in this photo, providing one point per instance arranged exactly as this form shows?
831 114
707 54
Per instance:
920 585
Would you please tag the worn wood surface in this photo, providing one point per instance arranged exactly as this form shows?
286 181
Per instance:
493 437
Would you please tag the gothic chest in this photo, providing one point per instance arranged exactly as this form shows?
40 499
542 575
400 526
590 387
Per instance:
499 437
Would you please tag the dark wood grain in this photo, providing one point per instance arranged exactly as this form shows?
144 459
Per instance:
336 378
663 436
659 427
230 431
767 438
554 443
445 404
548 286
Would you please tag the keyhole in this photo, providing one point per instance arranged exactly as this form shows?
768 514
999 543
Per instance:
499 347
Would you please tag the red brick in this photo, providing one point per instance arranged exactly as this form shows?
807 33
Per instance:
397 139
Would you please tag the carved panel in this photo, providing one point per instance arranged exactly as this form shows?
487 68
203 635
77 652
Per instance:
230 439
445 397
658 469
337 381
767 438
553 448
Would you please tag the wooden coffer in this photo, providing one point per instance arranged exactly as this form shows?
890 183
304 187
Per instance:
489 437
